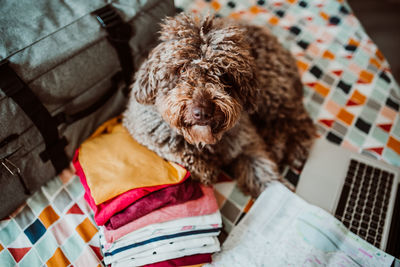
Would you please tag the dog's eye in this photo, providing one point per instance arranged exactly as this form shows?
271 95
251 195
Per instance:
226 79
181 70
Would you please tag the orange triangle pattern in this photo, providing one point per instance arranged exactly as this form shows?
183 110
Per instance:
18 253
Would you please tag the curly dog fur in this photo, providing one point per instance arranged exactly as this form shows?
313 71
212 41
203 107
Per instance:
217 93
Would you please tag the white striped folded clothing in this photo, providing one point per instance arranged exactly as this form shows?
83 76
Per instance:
172 250
157 229
153 236
135 247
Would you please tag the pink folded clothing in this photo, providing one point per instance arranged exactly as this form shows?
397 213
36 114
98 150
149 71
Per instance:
205 205
172 195
184 261
104 211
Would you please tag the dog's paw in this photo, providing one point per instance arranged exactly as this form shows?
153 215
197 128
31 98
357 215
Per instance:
254 174
202 171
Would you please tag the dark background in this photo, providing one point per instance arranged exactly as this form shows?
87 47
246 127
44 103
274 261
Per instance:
381 20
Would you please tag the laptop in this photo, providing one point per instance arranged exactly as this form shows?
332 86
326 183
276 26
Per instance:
360 191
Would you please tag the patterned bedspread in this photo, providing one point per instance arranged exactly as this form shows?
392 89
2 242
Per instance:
349 92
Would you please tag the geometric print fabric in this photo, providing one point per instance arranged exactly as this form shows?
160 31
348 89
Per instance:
53 228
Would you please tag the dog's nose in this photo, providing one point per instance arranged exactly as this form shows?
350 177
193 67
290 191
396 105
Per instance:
202 114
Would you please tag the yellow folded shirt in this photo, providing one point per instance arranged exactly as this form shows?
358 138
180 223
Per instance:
114 163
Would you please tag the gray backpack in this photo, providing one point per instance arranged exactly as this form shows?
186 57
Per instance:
64 70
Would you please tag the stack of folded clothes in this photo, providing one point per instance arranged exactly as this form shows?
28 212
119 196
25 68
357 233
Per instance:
149 211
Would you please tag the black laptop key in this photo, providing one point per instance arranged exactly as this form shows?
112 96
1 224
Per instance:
350 209
375 218
366 218
362 233
357 216
370 240
353 163
353 196
349 180
371 232
372 190
386 202
380 230
383 214
373 225
347 216
346 223
371 198
343 199
387 194
355 223
364 225
384 208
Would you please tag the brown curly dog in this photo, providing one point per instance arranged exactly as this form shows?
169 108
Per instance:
221 94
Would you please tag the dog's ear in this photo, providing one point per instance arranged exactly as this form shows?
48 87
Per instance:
144 88
248 90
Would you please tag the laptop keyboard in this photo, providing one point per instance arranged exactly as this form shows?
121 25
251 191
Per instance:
364 201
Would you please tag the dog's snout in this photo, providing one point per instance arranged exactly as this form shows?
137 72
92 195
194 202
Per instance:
203 113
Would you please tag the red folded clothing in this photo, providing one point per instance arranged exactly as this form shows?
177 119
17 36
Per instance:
184 261
172 195
104 211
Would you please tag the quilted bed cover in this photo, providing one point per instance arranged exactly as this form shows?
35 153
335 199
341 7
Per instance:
349 92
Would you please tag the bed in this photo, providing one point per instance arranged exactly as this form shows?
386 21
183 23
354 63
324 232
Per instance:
349 92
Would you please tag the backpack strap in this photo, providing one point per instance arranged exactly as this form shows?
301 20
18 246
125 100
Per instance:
119 34
17 90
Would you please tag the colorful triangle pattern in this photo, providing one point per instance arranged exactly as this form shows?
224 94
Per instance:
18 253
75 210
386 127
